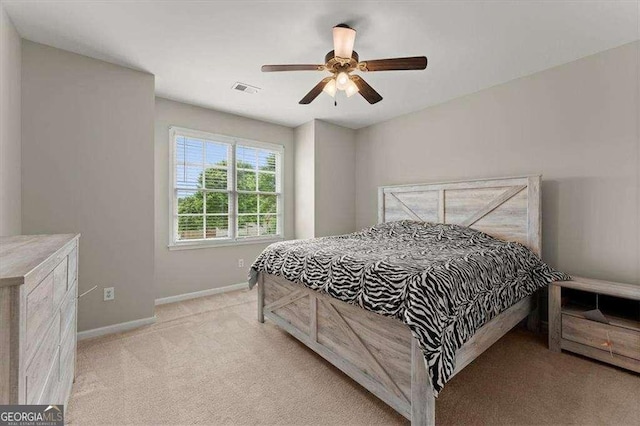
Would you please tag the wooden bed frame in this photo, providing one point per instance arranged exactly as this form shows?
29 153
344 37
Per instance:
379 352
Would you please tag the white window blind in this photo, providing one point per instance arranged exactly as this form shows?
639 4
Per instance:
224 190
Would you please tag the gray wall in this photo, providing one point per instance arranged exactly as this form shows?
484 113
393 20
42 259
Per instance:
10 63
576 124
87 166
335 157
186 271
325 179
305 182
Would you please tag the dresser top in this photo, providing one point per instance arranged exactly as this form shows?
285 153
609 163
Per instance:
22 254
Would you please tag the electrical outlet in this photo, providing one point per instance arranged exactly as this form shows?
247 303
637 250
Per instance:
109 293
240 263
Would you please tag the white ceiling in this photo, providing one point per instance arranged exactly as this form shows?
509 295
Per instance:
197 49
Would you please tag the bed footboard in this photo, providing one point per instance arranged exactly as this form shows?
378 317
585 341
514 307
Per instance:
377 352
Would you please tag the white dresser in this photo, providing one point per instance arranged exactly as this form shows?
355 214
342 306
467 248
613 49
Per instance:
38 310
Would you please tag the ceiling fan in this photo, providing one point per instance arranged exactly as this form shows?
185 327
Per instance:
342 61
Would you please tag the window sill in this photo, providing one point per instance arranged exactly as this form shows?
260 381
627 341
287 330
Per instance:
222 243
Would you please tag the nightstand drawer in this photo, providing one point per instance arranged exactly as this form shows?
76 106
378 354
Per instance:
606 337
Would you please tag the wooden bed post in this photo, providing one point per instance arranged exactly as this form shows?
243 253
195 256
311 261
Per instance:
534 239
533 319
423 403
260 298
555 330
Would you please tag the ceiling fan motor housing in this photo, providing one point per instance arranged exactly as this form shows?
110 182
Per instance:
336 64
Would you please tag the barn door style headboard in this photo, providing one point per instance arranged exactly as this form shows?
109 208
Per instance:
506 208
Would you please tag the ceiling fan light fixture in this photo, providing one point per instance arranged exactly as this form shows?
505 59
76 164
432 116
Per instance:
342 80
352 89
330 88
341 62
344 38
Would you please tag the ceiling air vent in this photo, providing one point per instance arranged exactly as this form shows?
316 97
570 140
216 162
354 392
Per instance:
245 88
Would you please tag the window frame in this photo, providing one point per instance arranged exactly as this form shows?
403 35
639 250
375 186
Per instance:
232 239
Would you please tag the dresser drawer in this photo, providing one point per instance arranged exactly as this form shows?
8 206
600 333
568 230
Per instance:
68 310
59 282
38 369
38 313
72 262
67 361
65 386
51 391
67 348
618 340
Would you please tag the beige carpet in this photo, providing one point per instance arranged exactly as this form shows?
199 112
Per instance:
208 361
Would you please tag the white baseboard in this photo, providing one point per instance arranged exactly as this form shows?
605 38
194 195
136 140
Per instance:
129 325
196 294
115 328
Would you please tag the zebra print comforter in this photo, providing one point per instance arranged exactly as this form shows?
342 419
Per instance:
443 281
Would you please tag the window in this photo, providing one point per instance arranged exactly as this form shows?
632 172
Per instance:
224 190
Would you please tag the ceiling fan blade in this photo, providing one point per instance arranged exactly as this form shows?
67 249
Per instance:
394 64
292 67
344 37
313 93
365 90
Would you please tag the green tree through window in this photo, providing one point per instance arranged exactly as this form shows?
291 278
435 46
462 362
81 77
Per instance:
257 201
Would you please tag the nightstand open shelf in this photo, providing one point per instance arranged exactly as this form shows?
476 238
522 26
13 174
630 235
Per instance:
572 327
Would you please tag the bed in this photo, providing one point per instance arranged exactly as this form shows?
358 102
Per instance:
380 352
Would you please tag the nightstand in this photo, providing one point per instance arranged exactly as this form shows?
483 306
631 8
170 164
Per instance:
597 319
